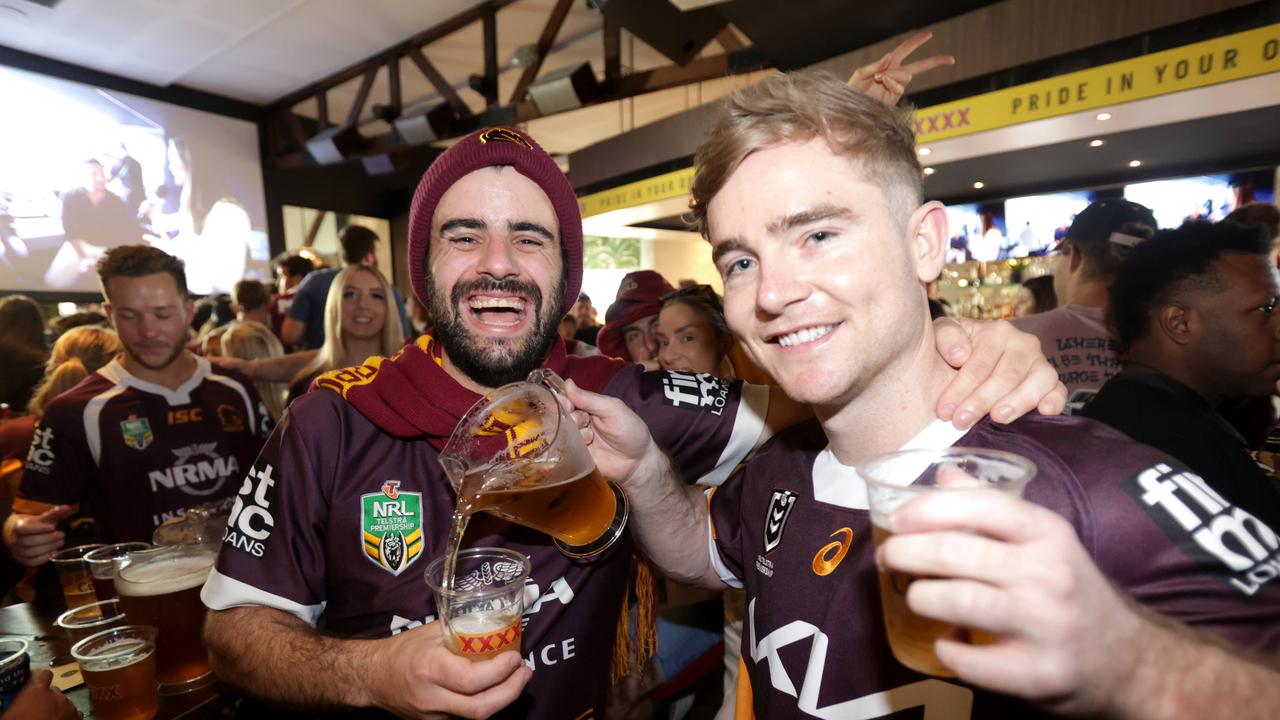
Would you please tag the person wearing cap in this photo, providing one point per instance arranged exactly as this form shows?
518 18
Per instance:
308 611
1075 336
1195 311
632 319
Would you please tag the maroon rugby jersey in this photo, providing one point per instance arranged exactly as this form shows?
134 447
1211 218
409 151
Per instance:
133 453
295 540
813 638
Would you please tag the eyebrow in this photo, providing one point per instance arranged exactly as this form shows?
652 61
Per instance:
682 328
810 215
724 248
464 224
533 227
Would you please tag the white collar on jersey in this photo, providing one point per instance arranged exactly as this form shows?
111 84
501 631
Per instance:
115 372
838 484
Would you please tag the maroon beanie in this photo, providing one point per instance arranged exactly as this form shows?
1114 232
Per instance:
486 148
639 296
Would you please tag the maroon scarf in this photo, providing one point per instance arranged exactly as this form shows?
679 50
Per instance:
411 394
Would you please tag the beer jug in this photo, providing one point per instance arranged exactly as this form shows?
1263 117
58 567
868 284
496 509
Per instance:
518 454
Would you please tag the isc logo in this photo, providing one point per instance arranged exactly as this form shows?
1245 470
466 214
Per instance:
182 417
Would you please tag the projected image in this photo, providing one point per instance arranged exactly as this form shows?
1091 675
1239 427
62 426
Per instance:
977 232
1174 202
1037 222
87 169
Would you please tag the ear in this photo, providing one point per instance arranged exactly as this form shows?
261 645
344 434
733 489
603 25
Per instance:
928 227
1076 260
1178 323
189 309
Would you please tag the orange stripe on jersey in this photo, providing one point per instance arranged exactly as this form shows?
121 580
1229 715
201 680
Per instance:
32 507
710 517
743 700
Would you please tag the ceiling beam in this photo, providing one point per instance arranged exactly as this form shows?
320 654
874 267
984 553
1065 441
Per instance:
489 16
441 85
548 37
362 96
612 51
430 35
729 40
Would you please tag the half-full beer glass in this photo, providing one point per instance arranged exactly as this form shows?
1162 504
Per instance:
73 573
102 566
161 588
892 481
483 610
518 455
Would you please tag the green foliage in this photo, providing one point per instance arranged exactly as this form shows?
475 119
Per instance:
605 253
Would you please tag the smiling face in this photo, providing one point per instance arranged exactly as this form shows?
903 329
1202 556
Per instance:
822 282
495 274
688 342
364 306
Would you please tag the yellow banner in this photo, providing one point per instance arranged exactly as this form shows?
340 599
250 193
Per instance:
1234 57
1246 54
667 185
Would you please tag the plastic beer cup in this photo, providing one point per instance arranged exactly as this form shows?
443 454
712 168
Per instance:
79 623
102 566
895 479
15 669
482 610
73 574
119 668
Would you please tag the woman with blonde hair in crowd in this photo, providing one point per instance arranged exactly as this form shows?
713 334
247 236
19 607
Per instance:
78 353
360 320
249 340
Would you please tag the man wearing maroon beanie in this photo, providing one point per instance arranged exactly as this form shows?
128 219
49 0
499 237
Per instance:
629 322
316 605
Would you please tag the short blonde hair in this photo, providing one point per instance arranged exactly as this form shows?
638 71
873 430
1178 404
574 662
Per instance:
249 340
800 106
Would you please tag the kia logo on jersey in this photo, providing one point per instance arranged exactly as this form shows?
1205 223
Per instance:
775 518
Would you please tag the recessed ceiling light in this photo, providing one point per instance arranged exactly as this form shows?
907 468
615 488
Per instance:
924 151
1095 143
979 185
1104 116
1135 163
928 171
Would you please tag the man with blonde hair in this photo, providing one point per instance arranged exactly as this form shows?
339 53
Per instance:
810 195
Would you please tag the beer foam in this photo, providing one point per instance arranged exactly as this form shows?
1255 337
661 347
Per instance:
160 577
483 622
116 654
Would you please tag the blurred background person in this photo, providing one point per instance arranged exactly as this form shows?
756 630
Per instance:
24 350
631 320
250 340
1035 296
251 302
1264 214
305 322
360 320
290 270
60 325
584 314
568 329
1075 336
128 172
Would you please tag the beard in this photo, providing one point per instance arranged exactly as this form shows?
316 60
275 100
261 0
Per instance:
174 352
493 362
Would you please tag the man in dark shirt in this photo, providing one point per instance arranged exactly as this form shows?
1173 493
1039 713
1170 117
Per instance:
92 214
1196 310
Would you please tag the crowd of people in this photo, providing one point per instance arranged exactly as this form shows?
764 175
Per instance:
1135 579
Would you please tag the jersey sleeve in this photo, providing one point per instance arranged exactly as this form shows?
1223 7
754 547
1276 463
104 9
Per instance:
707 424
273 550
59 463
724 528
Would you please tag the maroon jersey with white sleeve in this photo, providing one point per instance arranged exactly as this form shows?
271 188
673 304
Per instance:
793 528
298 539
133 453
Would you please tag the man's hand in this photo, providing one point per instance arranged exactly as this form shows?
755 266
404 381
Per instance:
435 680
33 539
618 439
38 701
886 80
1002 373
1017 570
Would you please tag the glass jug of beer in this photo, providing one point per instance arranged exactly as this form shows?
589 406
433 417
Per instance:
518 454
